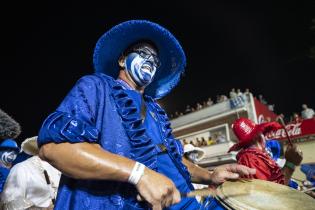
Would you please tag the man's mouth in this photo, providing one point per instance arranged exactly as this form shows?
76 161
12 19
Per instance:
147 68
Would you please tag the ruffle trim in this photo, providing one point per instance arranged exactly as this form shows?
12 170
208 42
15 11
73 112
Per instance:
142 148
62 127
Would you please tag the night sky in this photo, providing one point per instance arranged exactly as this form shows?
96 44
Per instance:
263 46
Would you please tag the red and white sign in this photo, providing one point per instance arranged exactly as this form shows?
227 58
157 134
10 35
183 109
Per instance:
295 130
262 112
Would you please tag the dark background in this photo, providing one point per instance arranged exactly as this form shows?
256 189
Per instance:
260 45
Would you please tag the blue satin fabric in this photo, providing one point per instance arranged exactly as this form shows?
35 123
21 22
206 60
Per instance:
101 110
4 172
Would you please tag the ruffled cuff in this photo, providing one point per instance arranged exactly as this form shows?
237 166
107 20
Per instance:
61 127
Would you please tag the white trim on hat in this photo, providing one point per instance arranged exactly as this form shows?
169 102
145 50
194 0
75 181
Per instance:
188 148
29 146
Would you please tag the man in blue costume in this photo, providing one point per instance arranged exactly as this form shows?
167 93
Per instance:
9 130
8 153
110 156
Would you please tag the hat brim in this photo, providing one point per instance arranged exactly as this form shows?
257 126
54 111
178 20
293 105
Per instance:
188 148
29 146
114 42
9 144
268 127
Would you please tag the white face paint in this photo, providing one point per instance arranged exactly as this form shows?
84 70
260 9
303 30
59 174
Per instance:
141 65
7 156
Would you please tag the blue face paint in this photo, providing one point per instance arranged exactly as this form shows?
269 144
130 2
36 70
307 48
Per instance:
141 68
7 156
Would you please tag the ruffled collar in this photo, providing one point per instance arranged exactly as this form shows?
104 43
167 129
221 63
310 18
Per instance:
142 148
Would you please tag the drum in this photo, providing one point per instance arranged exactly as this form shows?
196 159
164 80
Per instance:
257 194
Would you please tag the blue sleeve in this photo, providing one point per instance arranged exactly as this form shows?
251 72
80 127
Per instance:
74 120
4 172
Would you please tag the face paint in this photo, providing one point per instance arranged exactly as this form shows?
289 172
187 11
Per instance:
141 67
7 156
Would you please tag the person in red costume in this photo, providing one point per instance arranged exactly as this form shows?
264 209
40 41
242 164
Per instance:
252 153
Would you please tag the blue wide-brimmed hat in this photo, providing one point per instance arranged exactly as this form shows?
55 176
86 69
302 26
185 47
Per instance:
9 144
115 41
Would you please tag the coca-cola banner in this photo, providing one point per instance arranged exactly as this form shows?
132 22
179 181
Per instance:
295 130
263 112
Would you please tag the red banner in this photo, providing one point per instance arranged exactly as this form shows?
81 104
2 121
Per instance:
295 130
262 112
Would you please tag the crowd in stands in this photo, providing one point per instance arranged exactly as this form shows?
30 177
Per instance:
216 138
219 98
306 112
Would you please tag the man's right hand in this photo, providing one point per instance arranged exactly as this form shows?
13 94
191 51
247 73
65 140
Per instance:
158 190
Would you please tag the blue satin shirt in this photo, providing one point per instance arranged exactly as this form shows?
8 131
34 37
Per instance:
105 111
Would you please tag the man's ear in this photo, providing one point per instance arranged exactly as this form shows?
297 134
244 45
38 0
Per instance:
121 61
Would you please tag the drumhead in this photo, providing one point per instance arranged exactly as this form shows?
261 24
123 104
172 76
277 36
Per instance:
257 194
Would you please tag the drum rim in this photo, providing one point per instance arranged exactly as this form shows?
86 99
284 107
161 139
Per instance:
237 204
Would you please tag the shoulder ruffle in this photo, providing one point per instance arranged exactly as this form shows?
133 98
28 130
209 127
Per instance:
62 127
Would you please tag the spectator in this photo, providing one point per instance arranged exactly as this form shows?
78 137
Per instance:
268 119
239 92
198 142
261 99
223 98
271 107
209 102
218 99
210 141
192 143
233 93
203 142
176 114
296 118
247 94
220 138
198 106
307 113
188 109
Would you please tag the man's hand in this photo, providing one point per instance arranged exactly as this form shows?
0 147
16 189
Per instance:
158 190
230 172
294 155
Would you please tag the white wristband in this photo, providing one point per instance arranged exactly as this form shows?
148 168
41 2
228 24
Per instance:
136 173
